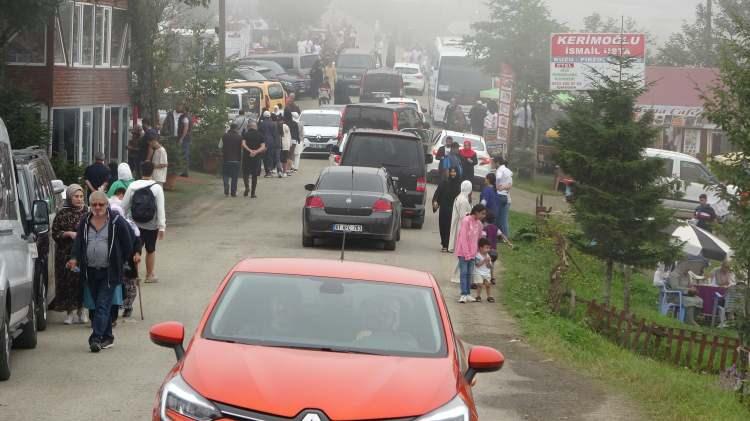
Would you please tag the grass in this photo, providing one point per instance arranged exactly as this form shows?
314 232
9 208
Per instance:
542 183
663 391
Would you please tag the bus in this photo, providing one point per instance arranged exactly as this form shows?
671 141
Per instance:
456 75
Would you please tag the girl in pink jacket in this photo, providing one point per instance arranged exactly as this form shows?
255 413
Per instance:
469 233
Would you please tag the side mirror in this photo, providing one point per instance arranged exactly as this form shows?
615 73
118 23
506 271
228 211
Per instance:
58 186
483 359
424 110
428 158
39 216
310 187
169 335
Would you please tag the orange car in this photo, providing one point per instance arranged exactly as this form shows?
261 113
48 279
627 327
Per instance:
320 340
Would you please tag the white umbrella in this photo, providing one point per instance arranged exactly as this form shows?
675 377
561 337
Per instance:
699 242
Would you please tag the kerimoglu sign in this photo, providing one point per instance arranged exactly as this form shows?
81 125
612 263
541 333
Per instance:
575 58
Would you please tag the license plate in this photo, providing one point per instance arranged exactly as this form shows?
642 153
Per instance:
354 86
347 228
317 146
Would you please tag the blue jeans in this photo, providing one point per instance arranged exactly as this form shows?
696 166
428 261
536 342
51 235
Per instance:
186 154
231 173
502 214
102 290
465 268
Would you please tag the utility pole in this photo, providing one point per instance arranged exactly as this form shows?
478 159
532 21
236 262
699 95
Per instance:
709 24
222 31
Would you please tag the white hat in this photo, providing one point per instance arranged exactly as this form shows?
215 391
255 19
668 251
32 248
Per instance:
266 114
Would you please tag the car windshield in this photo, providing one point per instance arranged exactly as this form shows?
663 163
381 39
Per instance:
407 70
328 314
382 151
321 120
360 61
275 68
250 74
476 144
307 62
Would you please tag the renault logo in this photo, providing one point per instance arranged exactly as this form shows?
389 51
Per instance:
318 138
311 417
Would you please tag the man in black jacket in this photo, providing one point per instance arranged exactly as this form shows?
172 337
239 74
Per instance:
476 118
102 246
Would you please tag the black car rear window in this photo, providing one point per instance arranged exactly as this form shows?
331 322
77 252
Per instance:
382 83
343 181
368 118
382 151
355 60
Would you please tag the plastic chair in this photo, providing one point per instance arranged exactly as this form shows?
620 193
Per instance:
665 306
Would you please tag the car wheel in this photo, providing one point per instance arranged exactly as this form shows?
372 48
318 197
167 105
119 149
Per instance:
417 223
4 348
27 339
41 305
307 241
389 245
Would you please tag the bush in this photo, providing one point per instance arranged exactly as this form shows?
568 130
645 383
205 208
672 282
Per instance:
68 172
22 119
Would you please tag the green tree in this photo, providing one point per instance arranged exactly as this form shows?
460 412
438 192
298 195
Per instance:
518 33
22 118
728 106
617 205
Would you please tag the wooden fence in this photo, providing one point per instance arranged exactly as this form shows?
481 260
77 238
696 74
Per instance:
681 347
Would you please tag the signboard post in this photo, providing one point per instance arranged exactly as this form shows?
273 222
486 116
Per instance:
497 141
576 57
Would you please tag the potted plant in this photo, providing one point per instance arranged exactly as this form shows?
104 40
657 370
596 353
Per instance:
176 165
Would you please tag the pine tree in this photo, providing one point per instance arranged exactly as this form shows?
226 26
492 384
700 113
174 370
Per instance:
617 203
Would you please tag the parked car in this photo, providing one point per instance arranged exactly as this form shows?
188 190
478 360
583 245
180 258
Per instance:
36 181
411 102
250 74
351 65
269 93
316 340
414 79
403 155
379 116
380 84
361 202
321 130
291 62
18 260
484 164
293 82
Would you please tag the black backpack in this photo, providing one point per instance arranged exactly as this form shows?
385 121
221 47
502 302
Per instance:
143 208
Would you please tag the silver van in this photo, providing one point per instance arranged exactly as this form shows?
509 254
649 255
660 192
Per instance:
18 256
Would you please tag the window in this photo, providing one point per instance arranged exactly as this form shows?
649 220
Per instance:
86 17
691 172
382 151
120 36
65 131
275 91
103 21
7 187
28 47
343 181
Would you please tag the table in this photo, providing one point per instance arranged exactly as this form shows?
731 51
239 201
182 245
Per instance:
707 293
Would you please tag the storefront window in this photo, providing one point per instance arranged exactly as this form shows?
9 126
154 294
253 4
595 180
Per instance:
65 131
28 47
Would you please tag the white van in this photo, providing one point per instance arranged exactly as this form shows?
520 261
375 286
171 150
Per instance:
18 255
695 179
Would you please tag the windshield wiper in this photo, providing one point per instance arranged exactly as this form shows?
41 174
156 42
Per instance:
328 349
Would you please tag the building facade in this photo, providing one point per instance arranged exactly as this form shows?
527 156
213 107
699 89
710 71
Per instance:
76 67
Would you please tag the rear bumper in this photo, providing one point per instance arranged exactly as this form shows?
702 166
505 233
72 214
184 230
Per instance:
317 223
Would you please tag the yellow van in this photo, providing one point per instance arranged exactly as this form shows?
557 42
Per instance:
267 93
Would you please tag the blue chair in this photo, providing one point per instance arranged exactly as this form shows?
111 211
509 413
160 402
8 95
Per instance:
675 304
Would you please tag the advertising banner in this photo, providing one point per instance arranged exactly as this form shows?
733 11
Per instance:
577 57
497 141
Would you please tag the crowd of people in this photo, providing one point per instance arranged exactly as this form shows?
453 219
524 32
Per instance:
482 117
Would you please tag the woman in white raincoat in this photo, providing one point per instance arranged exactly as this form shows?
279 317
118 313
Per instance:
461 207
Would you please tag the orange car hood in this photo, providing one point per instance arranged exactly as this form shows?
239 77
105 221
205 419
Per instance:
284 382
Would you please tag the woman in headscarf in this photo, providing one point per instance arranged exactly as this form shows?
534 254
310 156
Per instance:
124 178
68 291
443 199
461 207
468 161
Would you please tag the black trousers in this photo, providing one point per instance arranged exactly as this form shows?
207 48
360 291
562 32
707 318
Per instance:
445 215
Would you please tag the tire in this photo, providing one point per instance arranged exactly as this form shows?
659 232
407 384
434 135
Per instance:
307 241
41 304
417 223
27 339
4 348
389 245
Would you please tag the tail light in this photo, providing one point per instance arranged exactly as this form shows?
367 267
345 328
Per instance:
382 205
337 159
341 126
314 202
395 121
421 184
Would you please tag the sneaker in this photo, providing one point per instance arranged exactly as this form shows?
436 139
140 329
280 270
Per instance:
107 343
267 176
95 346
82 318
254 197
152 279
70 319
462 299
470 299
282 175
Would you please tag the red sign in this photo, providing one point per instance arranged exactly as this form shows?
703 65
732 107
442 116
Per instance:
598 45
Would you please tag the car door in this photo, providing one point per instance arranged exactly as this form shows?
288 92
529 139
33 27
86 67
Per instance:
696 180
17 250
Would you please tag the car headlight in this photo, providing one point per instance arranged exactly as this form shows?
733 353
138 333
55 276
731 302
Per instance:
455 410
179 397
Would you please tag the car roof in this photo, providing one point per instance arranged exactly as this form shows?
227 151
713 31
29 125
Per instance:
346 169
451 133
409 65
248 84
357 51
25 156
322 111
392 133
378 105
663 153
401 100
335 269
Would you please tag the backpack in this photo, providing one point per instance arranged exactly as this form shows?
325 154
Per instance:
143 208
451 162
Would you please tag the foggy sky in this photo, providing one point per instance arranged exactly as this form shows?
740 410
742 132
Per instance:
659 17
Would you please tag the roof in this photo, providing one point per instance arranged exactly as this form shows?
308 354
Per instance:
377 105
400 101
335 269
677 86
409 65
406 135
322 111
460 134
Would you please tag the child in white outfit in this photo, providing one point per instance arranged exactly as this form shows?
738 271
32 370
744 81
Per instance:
483 270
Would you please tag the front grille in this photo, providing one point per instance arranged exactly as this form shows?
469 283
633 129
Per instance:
319 139
239 414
